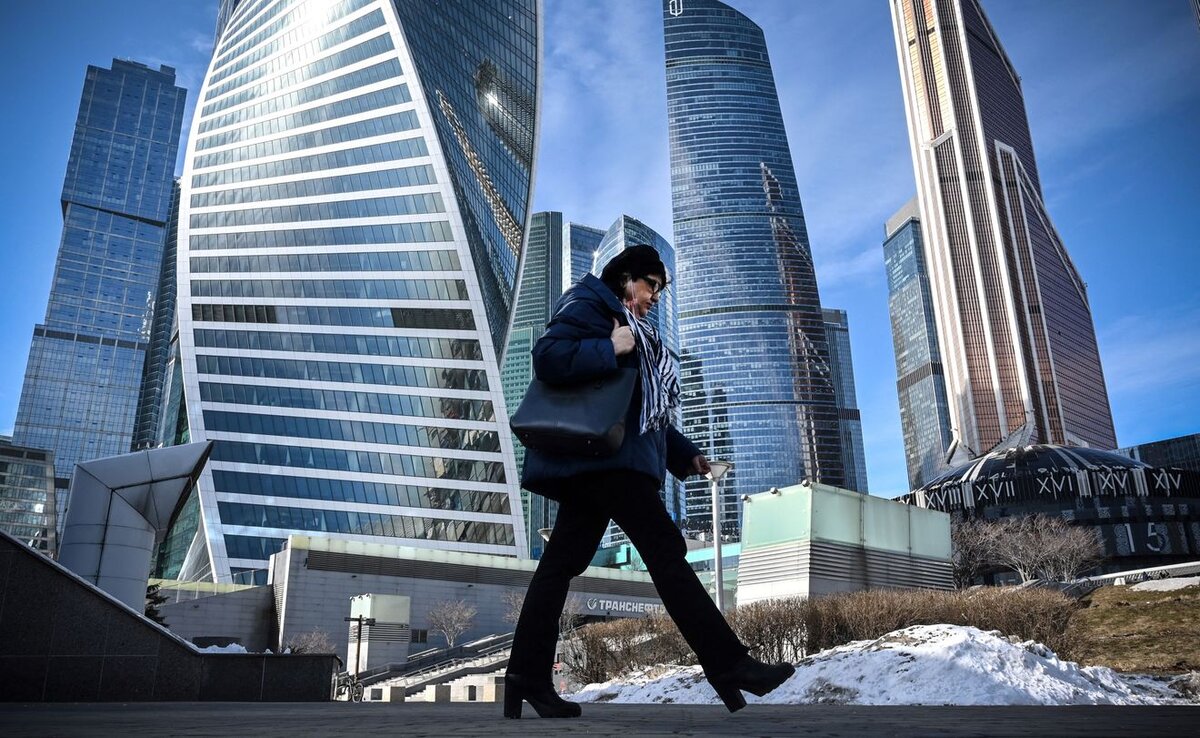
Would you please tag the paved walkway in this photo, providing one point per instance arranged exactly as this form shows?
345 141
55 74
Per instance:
628 721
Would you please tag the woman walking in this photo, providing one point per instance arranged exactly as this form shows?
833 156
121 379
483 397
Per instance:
600 325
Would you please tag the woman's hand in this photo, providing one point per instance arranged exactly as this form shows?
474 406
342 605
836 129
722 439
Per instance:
700 464
622 338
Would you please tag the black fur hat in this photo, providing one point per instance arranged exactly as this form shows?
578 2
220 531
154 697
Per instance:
639 260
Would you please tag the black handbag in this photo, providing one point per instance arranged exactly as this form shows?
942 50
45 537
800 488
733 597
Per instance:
584 419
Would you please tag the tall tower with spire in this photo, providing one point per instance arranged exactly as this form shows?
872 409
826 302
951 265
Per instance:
1014 325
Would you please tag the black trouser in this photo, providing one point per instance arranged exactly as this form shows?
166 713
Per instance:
632 501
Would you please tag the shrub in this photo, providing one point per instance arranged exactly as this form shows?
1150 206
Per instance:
314 641
1027 613
787 630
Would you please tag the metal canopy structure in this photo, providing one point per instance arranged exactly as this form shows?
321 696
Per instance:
120 508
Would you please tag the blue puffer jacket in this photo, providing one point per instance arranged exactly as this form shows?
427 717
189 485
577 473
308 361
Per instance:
576 347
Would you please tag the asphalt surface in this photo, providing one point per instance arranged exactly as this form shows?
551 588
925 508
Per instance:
417 719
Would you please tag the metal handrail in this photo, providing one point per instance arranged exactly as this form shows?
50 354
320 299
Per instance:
434 659
448 676
442 668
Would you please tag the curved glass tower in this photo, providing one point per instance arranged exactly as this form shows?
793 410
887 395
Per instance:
755 362
353 206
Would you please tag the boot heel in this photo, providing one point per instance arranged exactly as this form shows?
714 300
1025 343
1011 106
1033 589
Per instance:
512 703
730 695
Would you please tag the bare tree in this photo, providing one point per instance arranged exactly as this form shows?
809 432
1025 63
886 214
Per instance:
1045 546
973 543
1075 550
451 618
513 601
571 616
314 641
1021 545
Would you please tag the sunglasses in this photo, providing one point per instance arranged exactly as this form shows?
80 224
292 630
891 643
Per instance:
656 286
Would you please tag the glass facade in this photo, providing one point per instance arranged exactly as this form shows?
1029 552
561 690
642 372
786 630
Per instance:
557 253
623 233
351 221
755 373
162 327
582 242
1014 323
84 375
27 497
921 382
837 328
1182 452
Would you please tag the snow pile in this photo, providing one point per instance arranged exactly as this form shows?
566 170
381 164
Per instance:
1165 585
231 648
920 665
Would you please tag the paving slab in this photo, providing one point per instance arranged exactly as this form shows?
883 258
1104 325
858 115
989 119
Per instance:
290 720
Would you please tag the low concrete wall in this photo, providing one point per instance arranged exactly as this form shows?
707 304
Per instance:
64 640
246 616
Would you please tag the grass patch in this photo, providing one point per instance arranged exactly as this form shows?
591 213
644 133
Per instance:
1146 632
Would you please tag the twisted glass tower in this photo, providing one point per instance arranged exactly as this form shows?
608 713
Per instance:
352 214
1014 326
84 374
757 385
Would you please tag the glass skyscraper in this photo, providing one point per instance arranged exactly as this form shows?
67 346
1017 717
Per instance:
581 241
84 373
557 254
353 208
27 496
147 432
920 381
837 328
1182 452
1014 325
627 231
757 383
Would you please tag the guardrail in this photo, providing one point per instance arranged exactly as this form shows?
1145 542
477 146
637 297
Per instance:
1134 576
434 660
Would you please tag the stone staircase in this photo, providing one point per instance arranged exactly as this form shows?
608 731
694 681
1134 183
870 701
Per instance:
475 679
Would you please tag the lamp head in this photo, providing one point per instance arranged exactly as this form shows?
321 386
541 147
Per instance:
718 469
545 533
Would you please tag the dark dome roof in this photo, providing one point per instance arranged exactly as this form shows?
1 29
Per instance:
1012 463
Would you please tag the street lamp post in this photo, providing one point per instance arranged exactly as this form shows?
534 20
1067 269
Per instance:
361 620
717 470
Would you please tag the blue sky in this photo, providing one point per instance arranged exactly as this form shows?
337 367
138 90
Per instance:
1113 95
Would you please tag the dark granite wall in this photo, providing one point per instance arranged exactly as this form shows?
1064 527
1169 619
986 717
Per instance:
63 640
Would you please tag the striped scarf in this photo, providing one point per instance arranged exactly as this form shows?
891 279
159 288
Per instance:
660 385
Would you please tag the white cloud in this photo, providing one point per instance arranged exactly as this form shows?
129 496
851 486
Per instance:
603 125
866 266
1150 356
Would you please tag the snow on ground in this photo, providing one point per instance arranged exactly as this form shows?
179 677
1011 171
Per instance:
920 665
231 648
1165 585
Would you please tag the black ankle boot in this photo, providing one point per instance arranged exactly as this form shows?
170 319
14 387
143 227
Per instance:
540 696
750 675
